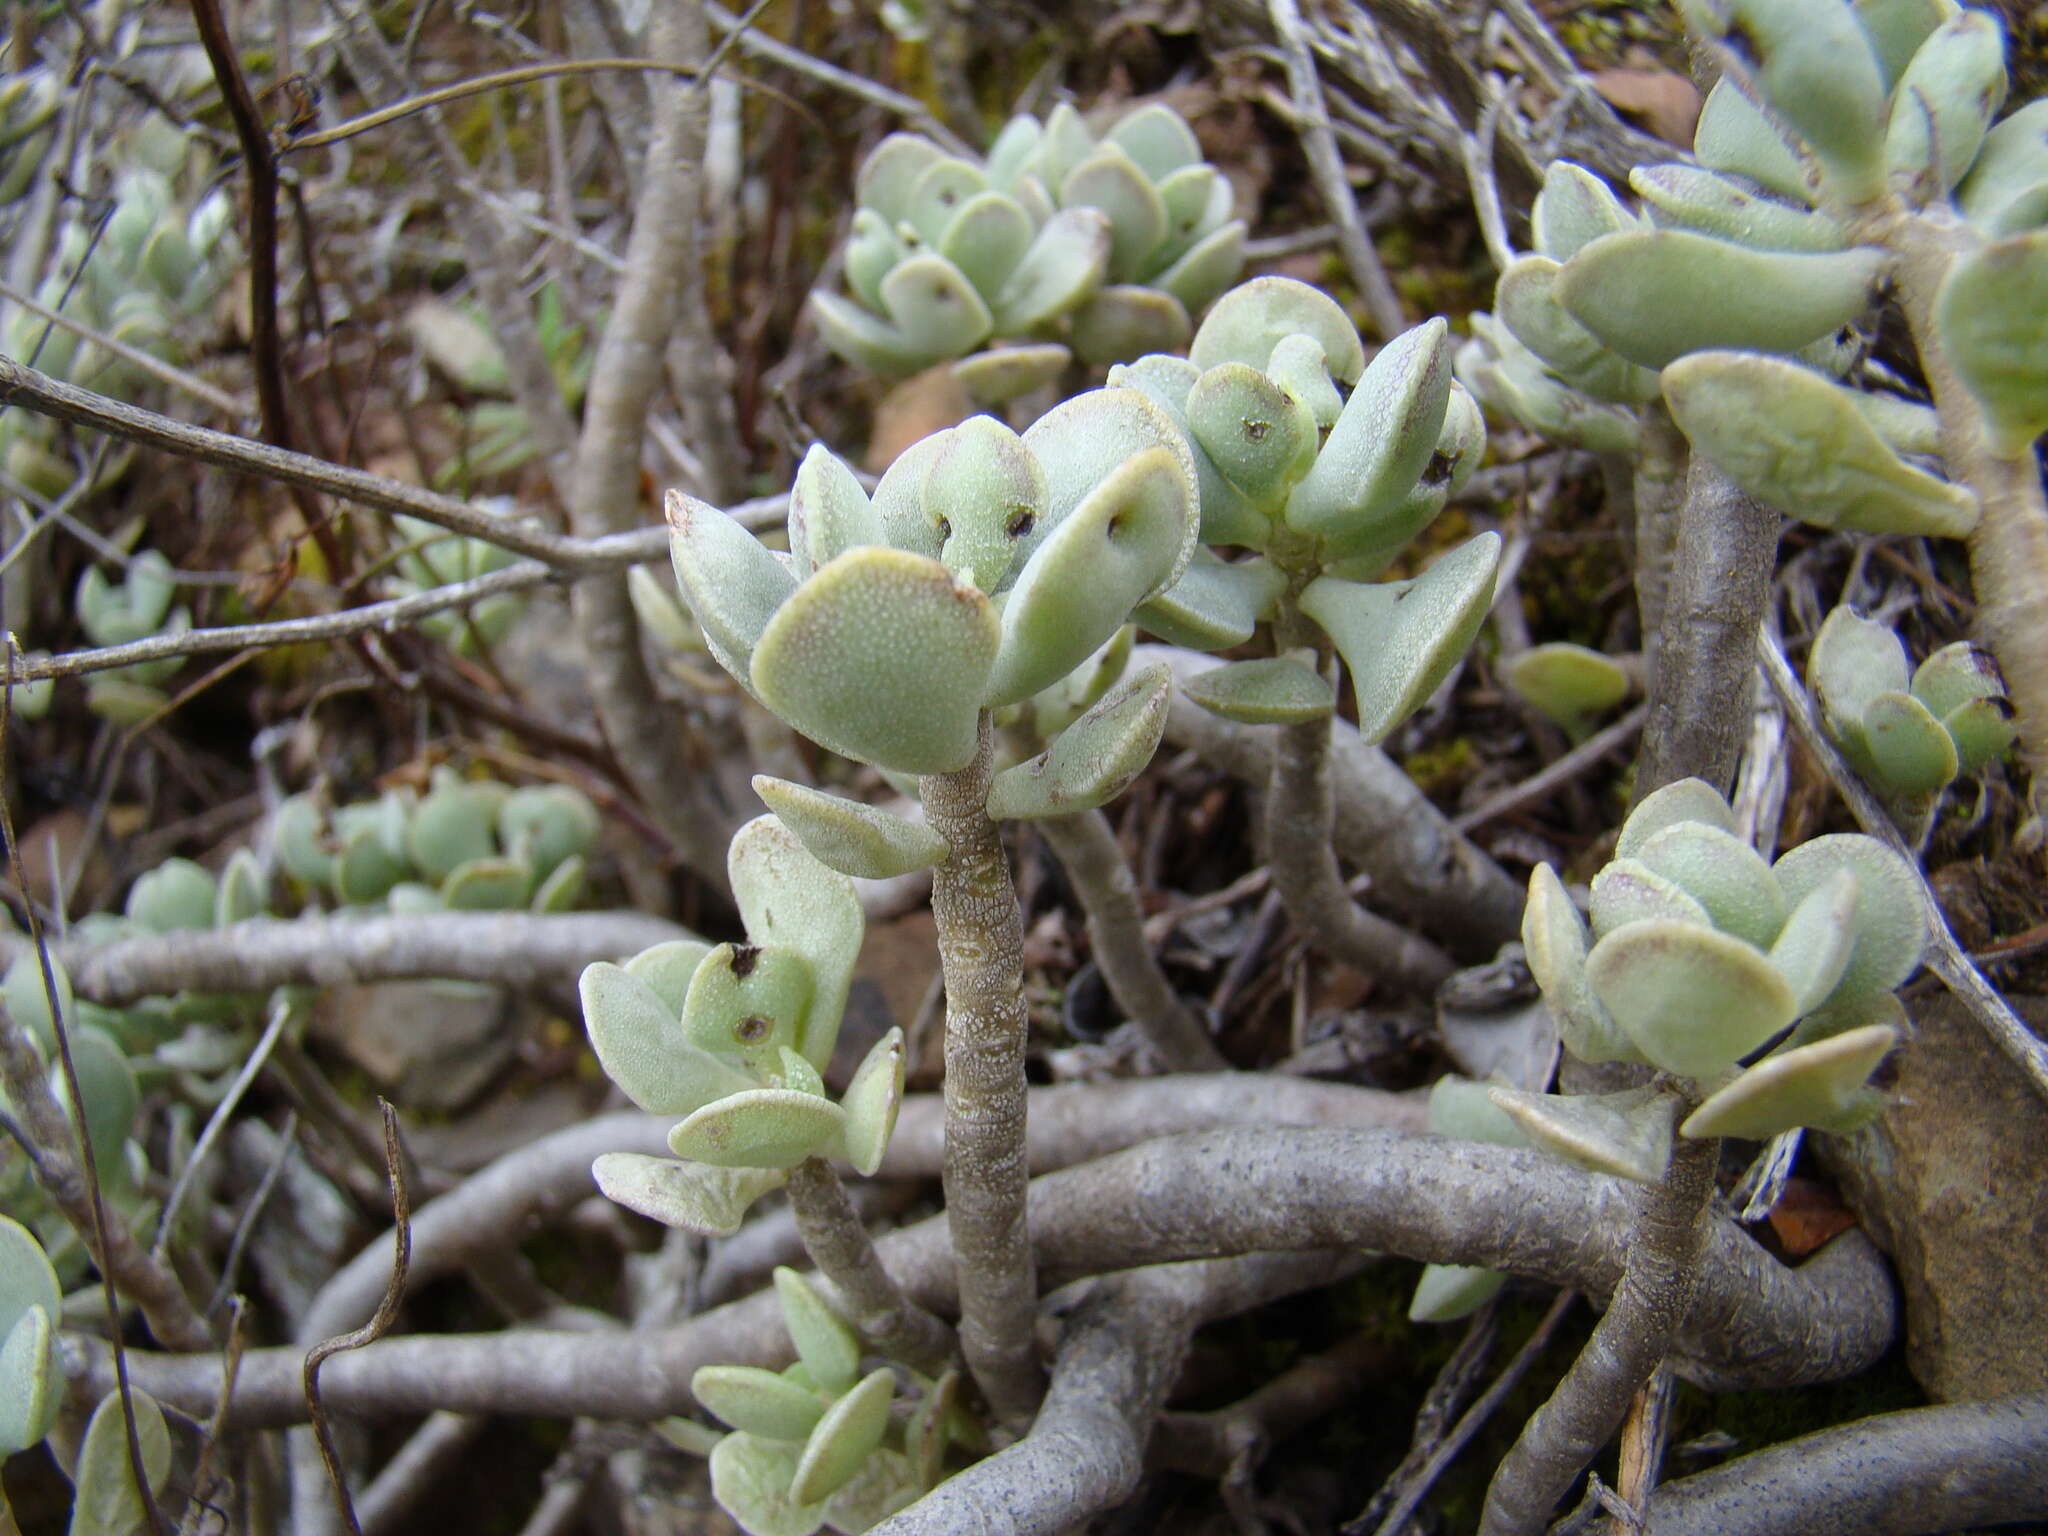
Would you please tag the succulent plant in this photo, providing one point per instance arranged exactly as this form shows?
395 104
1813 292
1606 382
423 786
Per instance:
434 557
735 1038
466 846
1701 956
1909 737
1326 466
815 1444
985 568
118 613
28 109
1113 244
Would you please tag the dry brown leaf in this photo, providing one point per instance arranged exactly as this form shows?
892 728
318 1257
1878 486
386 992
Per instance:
1664 103
1808 1214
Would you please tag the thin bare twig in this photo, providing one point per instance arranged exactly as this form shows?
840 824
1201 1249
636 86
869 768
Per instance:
370 1332
227 404
1581 759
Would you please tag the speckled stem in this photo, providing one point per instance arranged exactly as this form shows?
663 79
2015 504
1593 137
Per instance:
839 1245
1300 815
1657 1282
1087 850
981 954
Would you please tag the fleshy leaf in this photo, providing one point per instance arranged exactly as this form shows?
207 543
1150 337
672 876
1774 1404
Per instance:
1983 731
1693 1000
1798 443
1734 135
829 512
240 895
487 885
1214 605
1256 433
1945 101
748 1001
1158 140
694 1197
760 1128
884 1484
1255 317
986 238
1000 374
1574 208
1118 547
1084 442
787 897
1891 930
1447 1292
882 656
1554 939
731 582
1399 640
1524 303
1723 874
1814 945
1383 441
1570 684
1685 197
871 1102
561 890
1626 1134
31 1387
1815 67
1462 1108
1683 800
763 1403
546 823
1269 690
1093 760
844 1438
985 491
1065 263
1854 659
1127 321
934 307
666 969
827 1347
1992 312
1110 180
1630 892
1819 1085
1912 751
750 1479
1953 676
1621 288
891 170
640 1043
845 835
108 1503
2007 189
176 896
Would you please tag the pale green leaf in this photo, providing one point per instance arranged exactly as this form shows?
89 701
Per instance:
1094 759
693 1197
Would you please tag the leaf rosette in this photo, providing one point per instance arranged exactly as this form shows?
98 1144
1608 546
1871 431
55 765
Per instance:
1700 956
735 1039
986 567
1110 245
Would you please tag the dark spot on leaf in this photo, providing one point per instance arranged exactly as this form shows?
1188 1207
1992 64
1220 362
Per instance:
941 293
1986 665
1438 470
753 1027
1257 430
2003 707
1021 522
947 198
744 958
945 528
1742 44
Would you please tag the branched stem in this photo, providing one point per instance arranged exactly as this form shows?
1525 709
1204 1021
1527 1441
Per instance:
1658 1278
839 1245
1087 850
1300 814
981 953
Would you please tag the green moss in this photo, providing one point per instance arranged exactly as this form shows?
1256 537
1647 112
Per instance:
1441 768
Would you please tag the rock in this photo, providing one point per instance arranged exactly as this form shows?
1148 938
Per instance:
430 1044
1949 1180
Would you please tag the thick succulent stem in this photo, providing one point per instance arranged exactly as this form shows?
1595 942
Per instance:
2009 546
1300 814
1657 1281
1087 849
839 1245
981 955
1657 487
1702 656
